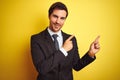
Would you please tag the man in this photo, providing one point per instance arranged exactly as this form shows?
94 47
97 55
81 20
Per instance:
55 57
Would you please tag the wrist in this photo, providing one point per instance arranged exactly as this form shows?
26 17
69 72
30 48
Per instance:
91 54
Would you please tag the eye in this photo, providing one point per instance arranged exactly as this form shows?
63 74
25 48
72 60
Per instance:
55 16
63 18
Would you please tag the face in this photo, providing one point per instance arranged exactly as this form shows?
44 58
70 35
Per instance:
57 19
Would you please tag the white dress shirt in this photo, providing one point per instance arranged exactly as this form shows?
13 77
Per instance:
60 40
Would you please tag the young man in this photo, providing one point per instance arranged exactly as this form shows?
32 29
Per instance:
55 56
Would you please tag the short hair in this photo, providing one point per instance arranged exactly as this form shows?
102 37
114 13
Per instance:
58 5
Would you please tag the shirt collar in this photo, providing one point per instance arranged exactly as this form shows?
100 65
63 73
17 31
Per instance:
51 32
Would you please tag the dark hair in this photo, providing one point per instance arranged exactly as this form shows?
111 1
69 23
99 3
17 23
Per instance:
58 5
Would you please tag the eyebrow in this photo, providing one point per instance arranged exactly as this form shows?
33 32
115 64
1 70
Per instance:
57 16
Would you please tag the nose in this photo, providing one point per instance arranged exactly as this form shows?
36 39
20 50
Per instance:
58 20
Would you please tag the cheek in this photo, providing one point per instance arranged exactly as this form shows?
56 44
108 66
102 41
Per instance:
52 20
62 22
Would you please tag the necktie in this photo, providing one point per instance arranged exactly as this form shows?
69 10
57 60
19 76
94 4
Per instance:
56 41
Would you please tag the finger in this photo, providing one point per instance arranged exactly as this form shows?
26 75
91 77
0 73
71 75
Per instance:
97 39
70 37
97 46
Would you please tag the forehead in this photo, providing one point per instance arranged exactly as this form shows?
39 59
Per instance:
60 13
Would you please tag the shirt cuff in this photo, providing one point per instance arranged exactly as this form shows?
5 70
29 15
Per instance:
63 51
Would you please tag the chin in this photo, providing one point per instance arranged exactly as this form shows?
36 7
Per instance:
56 29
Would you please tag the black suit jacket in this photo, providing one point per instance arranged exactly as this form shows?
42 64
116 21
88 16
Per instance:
52 64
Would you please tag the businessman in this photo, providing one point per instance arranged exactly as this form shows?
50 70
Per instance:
54 52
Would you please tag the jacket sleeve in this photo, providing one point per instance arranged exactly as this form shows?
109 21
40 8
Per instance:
79 63
42 63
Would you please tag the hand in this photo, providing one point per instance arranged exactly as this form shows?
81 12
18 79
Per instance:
68 45
94 47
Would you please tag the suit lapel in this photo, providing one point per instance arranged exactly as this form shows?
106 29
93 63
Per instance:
49 40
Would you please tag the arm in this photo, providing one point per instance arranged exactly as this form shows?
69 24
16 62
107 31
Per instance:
88 57
80 63
43 63
70 45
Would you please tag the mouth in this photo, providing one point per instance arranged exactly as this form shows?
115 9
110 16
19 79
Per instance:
57 25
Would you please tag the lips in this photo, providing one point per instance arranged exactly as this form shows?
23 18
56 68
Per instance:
57 24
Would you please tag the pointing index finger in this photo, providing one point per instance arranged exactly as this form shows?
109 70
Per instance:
70 37
97 39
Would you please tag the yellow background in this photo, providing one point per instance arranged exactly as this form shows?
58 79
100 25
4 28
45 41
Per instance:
87 19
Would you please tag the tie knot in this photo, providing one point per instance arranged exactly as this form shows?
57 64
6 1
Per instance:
55 36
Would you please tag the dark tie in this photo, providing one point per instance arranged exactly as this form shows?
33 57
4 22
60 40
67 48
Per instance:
56 41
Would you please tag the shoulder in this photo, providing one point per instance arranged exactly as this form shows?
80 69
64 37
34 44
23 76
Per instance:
35 36
66 35
39 35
